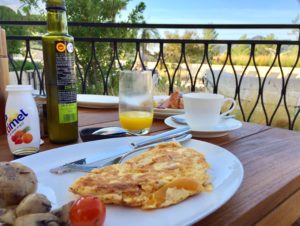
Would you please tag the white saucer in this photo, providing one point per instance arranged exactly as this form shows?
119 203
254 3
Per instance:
219 130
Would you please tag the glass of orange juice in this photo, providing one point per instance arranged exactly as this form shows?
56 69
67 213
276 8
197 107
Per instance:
136 101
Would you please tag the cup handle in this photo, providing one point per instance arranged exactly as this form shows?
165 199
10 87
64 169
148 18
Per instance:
232 108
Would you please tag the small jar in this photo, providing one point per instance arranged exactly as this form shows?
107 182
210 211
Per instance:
22 120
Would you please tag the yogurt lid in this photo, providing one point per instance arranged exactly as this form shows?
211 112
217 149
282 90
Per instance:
19 88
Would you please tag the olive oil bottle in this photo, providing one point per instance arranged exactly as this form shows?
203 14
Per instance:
60 78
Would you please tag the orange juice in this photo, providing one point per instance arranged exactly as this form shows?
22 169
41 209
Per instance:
136 120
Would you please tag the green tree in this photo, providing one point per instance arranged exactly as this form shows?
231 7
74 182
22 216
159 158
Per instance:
211 34
241 49
173 52
264 53
16 46
146 52
194 52
7 13
265 50
293 49
295 32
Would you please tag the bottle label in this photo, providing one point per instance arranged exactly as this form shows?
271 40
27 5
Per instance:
16 127
66 81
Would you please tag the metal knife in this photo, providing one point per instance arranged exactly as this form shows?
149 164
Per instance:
99 161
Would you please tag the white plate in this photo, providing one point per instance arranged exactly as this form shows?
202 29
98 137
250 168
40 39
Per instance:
226 179
160 113
97 101
221 129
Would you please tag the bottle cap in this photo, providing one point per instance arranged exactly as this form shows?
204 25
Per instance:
56 5
19 88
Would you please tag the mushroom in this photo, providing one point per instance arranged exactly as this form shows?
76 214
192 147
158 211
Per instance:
62 214
37 219
7 216
33 203
16 182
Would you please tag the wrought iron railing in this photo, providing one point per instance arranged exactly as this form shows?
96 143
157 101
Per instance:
211 78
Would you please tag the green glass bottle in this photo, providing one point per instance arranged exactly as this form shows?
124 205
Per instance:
60 78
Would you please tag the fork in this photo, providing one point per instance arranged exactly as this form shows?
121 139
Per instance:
77 167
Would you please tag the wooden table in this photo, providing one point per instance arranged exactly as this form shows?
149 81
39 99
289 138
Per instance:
270 192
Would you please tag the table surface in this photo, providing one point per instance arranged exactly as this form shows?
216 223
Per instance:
270 156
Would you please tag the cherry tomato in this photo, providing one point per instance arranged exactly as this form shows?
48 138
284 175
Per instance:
87 211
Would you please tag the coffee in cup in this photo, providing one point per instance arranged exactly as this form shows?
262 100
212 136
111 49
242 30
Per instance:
202 110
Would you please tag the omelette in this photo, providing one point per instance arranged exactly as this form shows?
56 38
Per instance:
160 177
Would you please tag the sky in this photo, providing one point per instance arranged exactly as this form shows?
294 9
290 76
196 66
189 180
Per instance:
220 11
223 12
211 11
14 4
214 12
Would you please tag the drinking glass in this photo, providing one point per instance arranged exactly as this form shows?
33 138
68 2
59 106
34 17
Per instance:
136 101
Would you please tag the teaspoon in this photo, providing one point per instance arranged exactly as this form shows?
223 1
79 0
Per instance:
110 131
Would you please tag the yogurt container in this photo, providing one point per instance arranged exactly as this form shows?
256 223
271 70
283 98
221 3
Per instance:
22 120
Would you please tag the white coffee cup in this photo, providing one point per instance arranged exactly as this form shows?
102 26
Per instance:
202 110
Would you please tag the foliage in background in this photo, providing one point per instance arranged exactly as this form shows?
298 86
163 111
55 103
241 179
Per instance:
172 52
213 50
7 13
28 65
194 52
147 53
100 11
264 54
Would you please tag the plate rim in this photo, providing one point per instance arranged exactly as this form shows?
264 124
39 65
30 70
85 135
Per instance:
159 113
167 110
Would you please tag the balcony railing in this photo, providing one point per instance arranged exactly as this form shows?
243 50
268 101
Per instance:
269 94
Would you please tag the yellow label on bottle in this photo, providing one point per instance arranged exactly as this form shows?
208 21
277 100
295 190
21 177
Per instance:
60 47
67 113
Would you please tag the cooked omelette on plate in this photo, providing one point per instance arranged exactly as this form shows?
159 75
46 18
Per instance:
160 177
